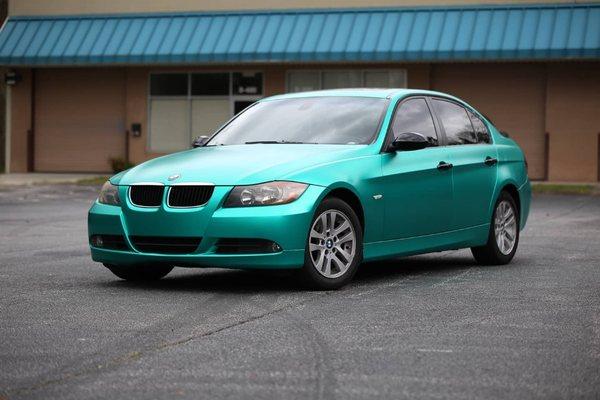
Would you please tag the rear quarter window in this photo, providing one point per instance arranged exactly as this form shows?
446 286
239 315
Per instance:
481 131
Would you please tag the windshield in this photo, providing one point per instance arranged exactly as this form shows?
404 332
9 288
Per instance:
319 120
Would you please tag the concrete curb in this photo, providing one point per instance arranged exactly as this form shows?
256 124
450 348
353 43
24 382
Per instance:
28 179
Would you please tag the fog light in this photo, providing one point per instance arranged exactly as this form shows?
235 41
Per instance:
246 246
97 241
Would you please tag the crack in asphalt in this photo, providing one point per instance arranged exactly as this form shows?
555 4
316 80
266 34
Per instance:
183 328
235 324
454 277
320 350
135 355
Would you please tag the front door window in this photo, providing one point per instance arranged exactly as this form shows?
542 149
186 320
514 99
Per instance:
414 116
417 196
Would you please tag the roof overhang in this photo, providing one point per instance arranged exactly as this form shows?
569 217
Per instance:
485 33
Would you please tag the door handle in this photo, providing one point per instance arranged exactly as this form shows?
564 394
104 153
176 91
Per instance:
443 165
490 161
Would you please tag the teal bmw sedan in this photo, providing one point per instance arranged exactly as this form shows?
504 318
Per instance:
319 182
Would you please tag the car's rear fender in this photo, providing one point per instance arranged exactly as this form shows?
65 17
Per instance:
512 177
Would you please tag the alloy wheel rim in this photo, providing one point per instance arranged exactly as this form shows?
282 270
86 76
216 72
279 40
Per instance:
505 227
332 243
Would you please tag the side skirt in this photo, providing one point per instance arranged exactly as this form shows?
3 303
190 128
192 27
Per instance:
458 239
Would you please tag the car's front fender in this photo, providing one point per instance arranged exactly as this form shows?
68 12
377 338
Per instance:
359 176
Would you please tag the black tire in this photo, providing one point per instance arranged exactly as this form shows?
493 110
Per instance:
140 273
490 254
309 274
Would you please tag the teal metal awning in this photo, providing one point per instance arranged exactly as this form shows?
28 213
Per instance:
403 34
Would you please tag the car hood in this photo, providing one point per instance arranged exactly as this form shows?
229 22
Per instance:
238 164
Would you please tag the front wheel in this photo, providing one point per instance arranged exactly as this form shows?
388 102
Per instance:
139 272
503 238
334 246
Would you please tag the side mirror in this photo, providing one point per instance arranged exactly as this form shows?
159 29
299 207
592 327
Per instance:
409 141
200 141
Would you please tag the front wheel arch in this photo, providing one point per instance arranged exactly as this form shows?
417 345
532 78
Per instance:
309 273
352 200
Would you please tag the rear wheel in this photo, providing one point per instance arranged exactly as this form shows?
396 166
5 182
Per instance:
334 246
503 238
139 272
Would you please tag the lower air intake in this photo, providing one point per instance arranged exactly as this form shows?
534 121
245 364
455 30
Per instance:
165 244
109 242
246 246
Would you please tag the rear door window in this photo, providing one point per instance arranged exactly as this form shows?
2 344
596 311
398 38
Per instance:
456 122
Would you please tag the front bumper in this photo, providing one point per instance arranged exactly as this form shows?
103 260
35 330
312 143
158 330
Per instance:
287 225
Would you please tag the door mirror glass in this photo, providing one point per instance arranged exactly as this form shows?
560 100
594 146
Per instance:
200 141
408 141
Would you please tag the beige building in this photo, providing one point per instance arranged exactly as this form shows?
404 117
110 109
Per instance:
92 81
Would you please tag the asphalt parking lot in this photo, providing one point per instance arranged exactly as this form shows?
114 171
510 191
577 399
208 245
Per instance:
434 326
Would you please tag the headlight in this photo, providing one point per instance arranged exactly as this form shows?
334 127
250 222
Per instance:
265 194
109 194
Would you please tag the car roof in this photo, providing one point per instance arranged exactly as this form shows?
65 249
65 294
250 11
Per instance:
359 92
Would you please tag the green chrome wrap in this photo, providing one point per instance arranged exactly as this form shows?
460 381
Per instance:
407 205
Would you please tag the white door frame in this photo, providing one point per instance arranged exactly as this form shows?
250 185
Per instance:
7 130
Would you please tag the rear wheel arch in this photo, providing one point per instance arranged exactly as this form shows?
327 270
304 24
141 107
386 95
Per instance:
503 231
514 192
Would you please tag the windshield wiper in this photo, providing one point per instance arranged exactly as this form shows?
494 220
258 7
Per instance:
276 142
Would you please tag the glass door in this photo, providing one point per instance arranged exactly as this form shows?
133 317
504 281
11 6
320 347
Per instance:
246 88
240 105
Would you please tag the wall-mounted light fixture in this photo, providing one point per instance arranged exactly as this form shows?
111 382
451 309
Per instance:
136 129
12 77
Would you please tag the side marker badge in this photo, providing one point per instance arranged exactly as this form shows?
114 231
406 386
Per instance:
377 196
